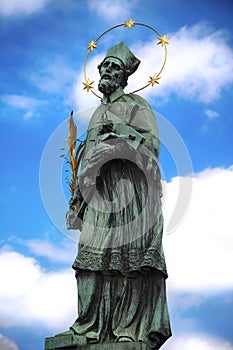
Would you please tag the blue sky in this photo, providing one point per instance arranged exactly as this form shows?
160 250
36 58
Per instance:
43 47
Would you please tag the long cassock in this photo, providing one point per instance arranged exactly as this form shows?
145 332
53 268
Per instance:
120 265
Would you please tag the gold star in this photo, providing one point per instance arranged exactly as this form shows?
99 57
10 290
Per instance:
130 23
154 80
92 45
88 85
163 40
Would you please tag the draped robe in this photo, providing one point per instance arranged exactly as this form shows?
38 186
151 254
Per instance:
120 265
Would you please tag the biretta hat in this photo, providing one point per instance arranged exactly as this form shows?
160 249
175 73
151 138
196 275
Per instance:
123 53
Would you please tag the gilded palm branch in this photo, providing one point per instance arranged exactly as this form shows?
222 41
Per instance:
75 156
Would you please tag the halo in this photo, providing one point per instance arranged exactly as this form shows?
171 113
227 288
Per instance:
154 79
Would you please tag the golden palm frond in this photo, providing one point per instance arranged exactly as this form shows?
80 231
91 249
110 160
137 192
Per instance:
75 156
71 145
71 141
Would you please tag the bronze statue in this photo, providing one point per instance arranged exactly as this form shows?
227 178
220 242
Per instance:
120 266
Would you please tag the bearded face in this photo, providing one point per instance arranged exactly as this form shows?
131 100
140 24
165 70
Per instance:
111 76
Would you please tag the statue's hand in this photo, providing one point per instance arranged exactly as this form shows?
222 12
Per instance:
73 202
102 153
76 201
94 160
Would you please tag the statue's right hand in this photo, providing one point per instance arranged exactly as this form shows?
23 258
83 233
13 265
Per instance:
72 202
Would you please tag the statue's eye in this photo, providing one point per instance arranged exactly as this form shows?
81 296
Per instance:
116 66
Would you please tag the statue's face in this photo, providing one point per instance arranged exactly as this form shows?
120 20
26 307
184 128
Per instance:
111 75
112 69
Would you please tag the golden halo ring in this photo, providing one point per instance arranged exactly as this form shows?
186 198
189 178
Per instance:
163 40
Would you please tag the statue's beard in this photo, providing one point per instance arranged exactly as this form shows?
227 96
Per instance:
108 86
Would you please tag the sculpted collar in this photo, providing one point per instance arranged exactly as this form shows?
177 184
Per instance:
114 96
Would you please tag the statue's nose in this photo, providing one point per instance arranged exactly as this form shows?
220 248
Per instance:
108 68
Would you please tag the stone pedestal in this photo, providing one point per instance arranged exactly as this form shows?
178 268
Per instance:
69 342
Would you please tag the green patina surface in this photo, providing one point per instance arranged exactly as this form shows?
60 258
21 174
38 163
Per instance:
120 265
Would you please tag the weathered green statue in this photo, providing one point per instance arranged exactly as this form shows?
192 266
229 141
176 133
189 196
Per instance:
120 266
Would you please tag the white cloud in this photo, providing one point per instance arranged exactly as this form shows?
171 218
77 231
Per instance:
55 78
30 294
22 7
21 102
24 103
199 256
199 66
199 253
112 10
61 254
7 344
196 341
81 98
211 114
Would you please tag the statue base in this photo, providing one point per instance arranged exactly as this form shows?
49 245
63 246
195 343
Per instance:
69 342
